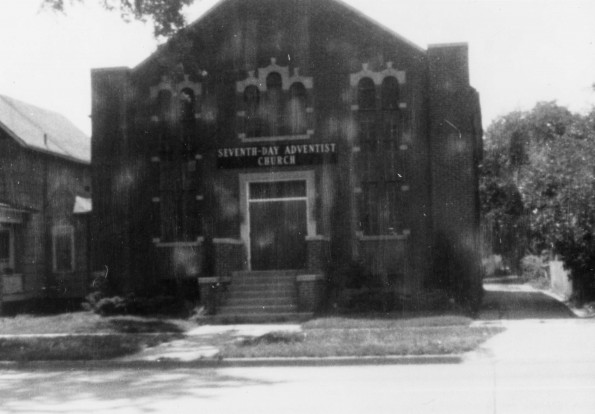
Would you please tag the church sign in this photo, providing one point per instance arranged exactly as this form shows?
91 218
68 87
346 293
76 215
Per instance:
262 156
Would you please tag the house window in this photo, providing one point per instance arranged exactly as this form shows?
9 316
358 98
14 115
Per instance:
6 249
63 248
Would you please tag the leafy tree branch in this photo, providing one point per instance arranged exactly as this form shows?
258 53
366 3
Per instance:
166 15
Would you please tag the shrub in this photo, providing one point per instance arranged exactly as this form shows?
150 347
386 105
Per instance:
532 267
111 306
134 305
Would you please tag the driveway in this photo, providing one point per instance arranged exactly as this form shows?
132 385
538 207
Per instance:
519 301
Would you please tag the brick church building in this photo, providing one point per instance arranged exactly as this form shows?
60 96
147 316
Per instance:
275 149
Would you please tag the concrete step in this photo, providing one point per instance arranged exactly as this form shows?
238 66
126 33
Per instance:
250 309
260 318
261 301
266 273
286 294
262 280
261 296
262 287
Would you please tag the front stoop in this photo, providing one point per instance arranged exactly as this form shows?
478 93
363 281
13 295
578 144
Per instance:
261 296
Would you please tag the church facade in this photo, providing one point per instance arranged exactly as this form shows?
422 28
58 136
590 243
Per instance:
290 143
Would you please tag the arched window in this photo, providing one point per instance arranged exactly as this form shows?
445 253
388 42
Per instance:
390 94
380 129
252 104
164 111
187 104
366 94
274 104
297 109
366 99
164 107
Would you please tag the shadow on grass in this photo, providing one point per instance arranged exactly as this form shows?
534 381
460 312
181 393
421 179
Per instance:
78 348
133 325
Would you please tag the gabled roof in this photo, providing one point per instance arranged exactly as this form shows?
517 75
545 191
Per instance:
355 14
43 130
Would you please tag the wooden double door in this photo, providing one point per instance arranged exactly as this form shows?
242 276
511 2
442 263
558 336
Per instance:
278 224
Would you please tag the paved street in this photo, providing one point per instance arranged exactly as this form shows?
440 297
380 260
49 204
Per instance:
535 366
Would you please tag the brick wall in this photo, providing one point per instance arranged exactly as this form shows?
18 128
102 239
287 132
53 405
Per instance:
318 253
229 256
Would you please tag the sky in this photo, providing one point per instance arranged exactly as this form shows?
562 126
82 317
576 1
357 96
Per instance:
520 51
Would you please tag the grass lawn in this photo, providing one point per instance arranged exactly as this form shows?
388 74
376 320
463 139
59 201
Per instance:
328 337
84 347
88 322
105 337
95 337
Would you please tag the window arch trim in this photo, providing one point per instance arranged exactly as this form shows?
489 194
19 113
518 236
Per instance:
258 78
377 77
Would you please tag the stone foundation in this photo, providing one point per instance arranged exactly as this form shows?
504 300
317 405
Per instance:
310 292
318 253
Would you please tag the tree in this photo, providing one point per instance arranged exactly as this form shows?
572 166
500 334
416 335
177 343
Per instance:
166 15
538 187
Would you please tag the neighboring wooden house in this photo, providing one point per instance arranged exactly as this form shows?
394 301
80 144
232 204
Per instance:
278 147
44 204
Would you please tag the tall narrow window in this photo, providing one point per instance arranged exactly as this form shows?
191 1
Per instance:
297 109
275 104
366 94
164 106
187 104
391 119
390 93
164 109
171 192
178 203
368 137
381 172
63 248
252 102
379 209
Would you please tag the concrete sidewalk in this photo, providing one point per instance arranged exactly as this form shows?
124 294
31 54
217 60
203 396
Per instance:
539 341
520 301
197 344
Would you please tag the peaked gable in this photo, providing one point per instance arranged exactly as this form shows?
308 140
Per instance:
337 11
43 130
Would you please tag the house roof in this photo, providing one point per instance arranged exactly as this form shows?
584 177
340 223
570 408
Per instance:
43 130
